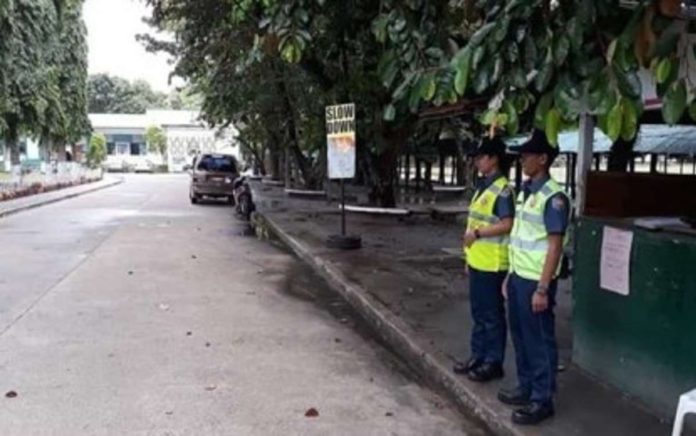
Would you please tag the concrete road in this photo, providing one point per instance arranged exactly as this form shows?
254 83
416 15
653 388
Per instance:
130 311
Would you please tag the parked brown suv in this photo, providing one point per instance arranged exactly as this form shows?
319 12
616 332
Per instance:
213 175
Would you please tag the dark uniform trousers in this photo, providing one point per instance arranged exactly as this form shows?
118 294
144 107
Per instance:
534 338
488 335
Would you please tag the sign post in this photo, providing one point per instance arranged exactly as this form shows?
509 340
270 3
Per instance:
341 157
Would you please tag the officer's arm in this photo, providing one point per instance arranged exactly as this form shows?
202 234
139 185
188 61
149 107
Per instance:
504 209
500 228
556 222
553 256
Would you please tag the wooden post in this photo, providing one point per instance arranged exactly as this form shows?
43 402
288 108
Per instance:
585 146
287 168
518 175
653 163
568 170
573 169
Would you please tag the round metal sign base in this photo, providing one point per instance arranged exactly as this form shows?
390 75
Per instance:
344 242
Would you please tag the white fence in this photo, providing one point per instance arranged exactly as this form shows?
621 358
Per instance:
48 175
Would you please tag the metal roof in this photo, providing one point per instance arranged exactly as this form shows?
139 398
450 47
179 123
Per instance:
652 138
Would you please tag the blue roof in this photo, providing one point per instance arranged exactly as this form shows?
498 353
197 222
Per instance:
652 138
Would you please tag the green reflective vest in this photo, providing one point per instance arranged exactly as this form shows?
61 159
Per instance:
529 241
487 254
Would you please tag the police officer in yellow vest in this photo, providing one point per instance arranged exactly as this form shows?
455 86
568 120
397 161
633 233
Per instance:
536 249
486 247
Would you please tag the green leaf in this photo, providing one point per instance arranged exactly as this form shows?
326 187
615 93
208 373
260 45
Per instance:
611 51
481 34
692 110
666 44
489 117
553 125
518 79
561 50
629 125
429 87
501 30
541 81
461 79
389 113
513 119
542 109
629 82
674 102
400 92
664 68
483 77
478 56
530 53
497 70
379 28
615 121
512 53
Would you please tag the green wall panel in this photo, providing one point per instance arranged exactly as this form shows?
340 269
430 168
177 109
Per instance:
643 343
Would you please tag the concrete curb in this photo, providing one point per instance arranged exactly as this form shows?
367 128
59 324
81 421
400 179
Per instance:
39 203
400 337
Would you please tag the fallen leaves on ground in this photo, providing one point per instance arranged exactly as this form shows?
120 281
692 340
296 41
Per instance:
11 394
311 413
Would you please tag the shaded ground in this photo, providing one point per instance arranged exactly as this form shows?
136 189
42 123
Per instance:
411 266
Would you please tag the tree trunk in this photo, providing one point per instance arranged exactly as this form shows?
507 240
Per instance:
461 174
407 170
382 190
61 152
441 176
418 174
12 141
292 131
621 155
428 175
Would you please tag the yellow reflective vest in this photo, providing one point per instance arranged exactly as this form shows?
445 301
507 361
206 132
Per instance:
487 254
529 240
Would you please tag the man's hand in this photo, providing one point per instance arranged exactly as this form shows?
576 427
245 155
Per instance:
469 239
540 302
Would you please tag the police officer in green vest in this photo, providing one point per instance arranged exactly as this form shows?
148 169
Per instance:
486 247
536 249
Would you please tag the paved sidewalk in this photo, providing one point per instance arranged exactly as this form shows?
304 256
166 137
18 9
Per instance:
11 207
408 282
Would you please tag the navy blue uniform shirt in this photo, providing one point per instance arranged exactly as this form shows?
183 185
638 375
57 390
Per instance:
556 214
504 206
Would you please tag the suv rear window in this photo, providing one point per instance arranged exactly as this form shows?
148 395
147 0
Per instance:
217 163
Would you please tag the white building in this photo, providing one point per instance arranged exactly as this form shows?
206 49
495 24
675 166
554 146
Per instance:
29 153
186 136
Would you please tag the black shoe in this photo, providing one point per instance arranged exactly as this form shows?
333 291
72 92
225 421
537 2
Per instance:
514 397
465 368
486 372
532 414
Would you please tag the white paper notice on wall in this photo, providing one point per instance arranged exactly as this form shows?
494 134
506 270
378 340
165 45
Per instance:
615 267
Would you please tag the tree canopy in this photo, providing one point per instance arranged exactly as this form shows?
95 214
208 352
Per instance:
270 67
43 69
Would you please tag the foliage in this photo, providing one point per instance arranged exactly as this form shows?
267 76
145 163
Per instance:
108 94
42 71
156 139
544 63
96 153
270 67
